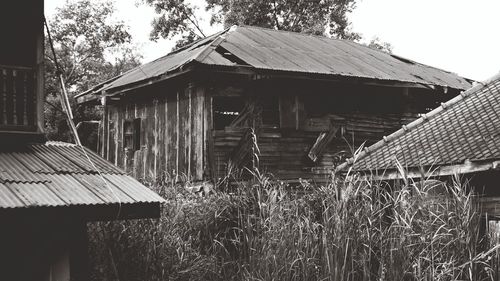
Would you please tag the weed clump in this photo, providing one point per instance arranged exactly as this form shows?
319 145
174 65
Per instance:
266 230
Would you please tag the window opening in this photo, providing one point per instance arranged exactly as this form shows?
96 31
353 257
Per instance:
132 134
226 110
270 111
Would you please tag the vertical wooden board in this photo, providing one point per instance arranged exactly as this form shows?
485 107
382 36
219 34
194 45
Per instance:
288 114
150 139
138 169
127 158
156 136
161 162
171 134
166 134
197 134
209 155
183 114
9 98
112 133
188 130
21 98
301 113
141 113
120 150
31 101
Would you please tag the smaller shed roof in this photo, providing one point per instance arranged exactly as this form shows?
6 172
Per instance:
463 133
58 174
260 49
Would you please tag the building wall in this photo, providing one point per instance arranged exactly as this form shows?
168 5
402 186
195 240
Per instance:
355 115
172 134
181 133
37 248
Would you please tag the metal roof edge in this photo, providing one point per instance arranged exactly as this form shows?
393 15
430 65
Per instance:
205 52
425 117
358 44
466 167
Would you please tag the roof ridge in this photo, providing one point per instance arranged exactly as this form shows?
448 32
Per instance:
209 48
215 35
425 117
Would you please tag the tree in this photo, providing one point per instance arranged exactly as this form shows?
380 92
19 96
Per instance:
90 47
378 44
325 17
321 17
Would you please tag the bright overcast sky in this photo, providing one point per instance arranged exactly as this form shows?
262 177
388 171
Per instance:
455 35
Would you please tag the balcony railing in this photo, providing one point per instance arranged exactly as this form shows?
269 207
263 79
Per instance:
17 98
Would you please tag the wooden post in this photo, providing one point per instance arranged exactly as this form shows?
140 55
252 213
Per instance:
78 260
105 128
40 78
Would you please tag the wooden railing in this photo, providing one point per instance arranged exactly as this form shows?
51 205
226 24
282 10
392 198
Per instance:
17 98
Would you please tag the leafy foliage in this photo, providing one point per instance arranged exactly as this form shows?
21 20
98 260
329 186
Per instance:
315 17
90 48
328 17
378 44
174 17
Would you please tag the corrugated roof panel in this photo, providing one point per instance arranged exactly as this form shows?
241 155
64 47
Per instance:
130 186
37 185
11 170
107 192
35 194
71 191
102 164
33 163
8 199
55 160
162 65
266 49
465 128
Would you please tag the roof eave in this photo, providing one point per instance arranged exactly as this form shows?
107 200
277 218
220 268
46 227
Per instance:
467 167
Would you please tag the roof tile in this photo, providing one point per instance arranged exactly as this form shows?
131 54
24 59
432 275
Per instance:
464 128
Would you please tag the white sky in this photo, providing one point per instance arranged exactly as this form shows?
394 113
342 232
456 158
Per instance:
455 35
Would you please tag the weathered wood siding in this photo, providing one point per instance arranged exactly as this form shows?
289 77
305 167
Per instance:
191 132
172 135
284 153
356 114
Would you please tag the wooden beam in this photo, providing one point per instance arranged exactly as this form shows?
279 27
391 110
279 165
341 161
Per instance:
445 170
40 76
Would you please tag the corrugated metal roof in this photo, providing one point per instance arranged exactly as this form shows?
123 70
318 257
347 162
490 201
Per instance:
465 128
60 175
265 49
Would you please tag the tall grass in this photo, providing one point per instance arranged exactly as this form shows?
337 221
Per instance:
348 230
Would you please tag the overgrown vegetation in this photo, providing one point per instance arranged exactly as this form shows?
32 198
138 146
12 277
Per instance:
266 230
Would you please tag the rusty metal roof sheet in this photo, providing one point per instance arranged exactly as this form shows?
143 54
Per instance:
60 175
266 49
466 128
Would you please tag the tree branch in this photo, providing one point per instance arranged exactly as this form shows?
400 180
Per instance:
194 21
275 16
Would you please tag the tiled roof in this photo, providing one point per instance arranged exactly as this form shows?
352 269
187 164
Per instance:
60 175
272 50
462 130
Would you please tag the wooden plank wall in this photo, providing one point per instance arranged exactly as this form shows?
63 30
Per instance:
18 99
173 135
284 152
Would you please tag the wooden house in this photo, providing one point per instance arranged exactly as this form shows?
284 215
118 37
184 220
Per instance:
460 137
48 191
288 103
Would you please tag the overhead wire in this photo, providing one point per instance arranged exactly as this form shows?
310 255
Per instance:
65 104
